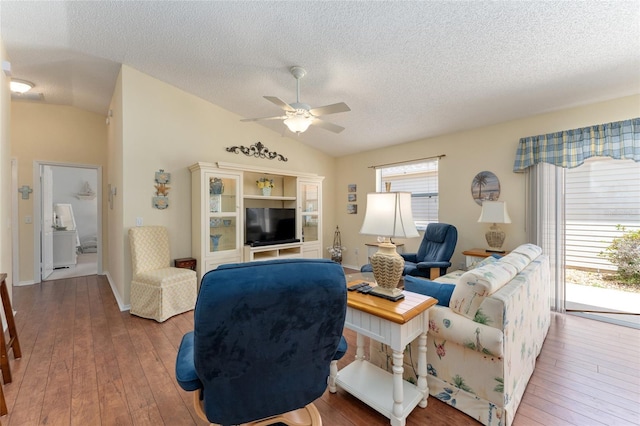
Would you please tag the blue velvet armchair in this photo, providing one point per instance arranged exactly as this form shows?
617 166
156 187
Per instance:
265 334
434 254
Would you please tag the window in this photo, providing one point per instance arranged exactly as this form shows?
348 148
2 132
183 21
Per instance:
419 178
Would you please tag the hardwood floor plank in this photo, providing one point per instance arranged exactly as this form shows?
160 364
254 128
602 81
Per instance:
105 367
114 409
85 398
594 377
167 350
550 397
542 417
56 406
161 379
29 401
590 396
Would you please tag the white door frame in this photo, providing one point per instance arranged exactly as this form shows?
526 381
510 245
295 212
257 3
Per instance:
15 220
37 212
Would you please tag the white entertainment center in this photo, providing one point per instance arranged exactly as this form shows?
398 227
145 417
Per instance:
220 194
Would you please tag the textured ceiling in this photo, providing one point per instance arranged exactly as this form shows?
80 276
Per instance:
408 70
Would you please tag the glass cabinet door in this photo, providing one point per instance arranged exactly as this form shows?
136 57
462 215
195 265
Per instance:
310 205
223 212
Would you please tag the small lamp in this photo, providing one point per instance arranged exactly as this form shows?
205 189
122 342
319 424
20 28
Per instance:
388 215
494 212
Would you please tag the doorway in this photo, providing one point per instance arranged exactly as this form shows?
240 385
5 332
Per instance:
68 221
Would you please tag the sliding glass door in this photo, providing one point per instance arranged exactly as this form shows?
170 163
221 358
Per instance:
575 215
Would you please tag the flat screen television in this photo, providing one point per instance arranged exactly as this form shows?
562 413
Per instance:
266 226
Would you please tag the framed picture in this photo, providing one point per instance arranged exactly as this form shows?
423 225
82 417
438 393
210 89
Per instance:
485 186
352 198
352 209
352 187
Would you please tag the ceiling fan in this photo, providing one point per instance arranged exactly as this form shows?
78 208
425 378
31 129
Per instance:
298 116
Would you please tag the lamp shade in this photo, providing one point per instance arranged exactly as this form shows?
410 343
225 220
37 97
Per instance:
494 212
389 214
298 123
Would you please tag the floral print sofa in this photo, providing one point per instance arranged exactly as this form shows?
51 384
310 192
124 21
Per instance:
483 344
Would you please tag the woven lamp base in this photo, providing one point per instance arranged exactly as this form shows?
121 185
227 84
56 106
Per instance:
495 238
387 269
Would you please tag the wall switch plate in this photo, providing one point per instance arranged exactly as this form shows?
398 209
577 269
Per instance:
138 221
28 219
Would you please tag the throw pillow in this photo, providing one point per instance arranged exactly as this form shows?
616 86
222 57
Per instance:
440 291
477 284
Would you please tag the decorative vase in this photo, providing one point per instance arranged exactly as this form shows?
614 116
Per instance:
215 241
216 186
266 191
387 268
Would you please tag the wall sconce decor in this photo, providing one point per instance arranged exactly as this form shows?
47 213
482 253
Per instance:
25 190
258 150
161 200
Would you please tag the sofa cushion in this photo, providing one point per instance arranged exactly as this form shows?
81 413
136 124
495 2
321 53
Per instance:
517 260
476 284
440 291
532 251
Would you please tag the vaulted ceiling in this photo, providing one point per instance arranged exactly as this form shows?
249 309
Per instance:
408 70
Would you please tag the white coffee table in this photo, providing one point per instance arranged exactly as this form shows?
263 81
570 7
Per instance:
397 324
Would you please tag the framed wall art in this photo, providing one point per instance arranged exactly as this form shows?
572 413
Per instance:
485 186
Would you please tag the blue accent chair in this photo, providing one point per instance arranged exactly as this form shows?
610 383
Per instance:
265 334
434 254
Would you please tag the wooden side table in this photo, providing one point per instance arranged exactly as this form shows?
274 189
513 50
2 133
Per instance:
185 262
396 324
475 255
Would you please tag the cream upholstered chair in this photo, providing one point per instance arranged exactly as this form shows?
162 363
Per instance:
158 291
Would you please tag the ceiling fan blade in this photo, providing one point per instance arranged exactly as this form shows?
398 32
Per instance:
277 117
330 109
327 126
282 104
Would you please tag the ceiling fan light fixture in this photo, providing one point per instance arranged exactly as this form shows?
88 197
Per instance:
298 123
20 86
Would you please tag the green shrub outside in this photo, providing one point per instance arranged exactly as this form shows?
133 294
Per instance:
624 252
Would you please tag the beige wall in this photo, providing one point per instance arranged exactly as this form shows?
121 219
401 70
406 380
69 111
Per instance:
51 133
5 175
489 148
113 218
166 128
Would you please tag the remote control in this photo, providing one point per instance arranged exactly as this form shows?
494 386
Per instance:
356 286
365 289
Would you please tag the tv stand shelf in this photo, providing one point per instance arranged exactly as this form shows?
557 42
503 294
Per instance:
275 251
269 197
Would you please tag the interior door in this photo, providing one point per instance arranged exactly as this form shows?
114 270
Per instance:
47 221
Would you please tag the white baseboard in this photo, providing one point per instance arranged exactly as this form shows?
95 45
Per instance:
21 283
357 268
121 305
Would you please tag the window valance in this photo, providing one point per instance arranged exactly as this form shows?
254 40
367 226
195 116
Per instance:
570 148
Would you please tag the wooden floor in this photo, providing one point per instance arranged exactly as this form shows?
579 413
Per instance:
86 363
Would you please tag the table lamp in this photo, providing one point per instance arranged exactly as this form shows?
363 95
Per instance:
494 212
388 215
